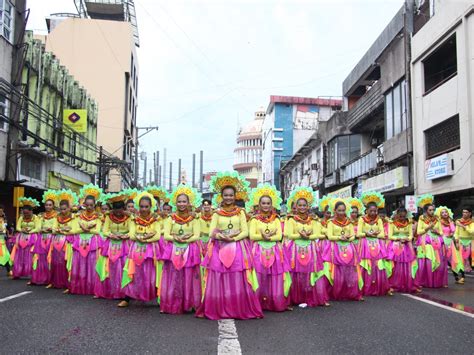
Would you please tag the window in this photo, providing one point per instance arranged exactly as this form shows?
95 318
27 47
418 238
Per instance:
342 150
30 166
6 20
395 110
443 138
441 65
3 110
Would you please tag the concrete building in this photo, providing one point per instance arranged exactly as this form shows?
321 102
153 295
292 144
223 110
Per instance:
99 49
248 153
289 122
443 96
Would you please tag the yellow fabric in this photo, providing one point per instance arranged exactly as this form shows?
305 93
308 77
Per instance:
239 223
97 228
293 229
136 229
364 228
335 232
420 230
110 227
205 226
467 233
394 232
172 228
75 229
46 223
34 225
256 228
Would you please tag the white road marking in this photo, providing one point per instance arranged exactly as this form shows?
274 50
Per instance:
439 305
228 342
15 296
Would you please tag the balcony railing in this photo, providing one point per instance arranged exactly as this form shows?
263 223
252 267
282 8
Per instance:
367 104
363 165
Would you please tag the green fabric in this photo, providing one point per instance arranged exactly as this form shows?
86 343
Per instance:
5 258
69 257
447 241
34 266
327 272
125 278
414 268
465 242
205 238
180 245
428 253
252 278
159 273
360 282
266 244
86 236
343 243
385 265
367 265
286 283
302 242
100 268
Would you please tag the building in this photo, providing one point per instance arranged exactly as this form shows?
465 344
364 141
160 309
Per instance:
289 122
248 153
443 95
375 153
98 46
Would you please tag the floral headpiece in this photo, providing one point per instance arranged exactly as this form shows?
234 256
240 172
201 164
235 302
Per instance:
305 193
141 195
424 200
90 190
193 195
441 209
373 197
355 202
265 190
158 192
289 202
131 193
67 195
336 200
233 179
216 200
115 197
50 195
324 203
28 201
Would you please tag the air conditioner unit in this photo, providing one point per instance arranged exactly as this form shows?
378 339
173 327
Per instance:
314 166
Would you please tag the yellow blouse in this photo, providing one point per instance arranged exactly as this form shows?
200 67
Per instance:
172 228
335 231
109 227
464 233
257 227
96 222
32 226
236 223
47 224
422 226
399 232
363 228
294 227
205 226
3 228
58 228
137 230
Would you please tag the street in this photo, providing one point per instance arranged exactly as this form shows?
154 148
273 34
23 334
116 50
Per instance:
46 321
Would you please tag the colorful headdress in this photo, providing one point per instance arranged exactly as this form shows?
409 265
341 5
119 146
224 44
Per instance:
424 200
336 200
193 195
28 201
355 202
50 195
90 190
324 203
305 193
265 190
131 193
67 195
215 202
233 179
158 192
115 197
373 197
141 195
441 209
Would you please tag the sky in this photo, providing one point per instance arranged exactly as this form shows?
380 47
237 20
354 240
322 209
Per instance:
206 66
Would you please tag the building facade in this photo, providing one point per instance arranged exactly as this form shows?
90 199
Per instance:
443 96
99 49
289 122
248 153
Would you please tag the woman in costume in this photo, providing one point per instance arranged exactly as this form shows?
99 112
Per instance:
161 195
180 287
4 252
272 269
230 281
27 227
65 229
432 265
86 245
205 219
357 209
130 203
451 252
342 256
376 269
464 236
40 274
303 250
139 278
401 253
114 249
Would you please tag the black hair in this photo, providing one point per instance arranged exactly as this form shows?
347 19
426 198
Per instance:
166 204
28 208
425 207
64 203
371 204
89 197
119 205
338 204
146 198
2 207
401 210
468 209
129 201
206 200
228 187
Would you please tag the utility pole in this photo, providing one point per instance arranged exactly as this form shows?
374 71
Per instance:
157 172
194 170
171 176
144 171
137 137
179 171
153 178
201 168
164 168
159 175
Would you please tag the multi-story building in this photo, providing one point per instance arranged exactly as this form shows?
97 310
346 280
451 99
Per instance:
289 123
443 97
99 48
248 153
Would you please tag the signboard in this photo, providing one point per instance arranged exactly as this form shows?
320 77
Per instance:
391 180
345 192
410 203
18 192
76 119
438 167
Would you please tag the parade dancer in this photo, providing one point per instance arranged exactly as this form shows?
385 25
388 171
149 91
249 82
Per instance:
464 236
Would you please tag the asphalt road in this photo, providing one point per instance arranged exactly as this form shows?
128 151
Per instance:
46 321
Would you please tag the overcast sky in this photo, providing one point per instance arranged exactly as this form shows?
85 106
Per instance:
206 66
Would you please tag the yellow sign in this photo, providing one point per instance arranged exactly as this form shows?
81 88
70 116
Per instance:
76 119
17 193
58 181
